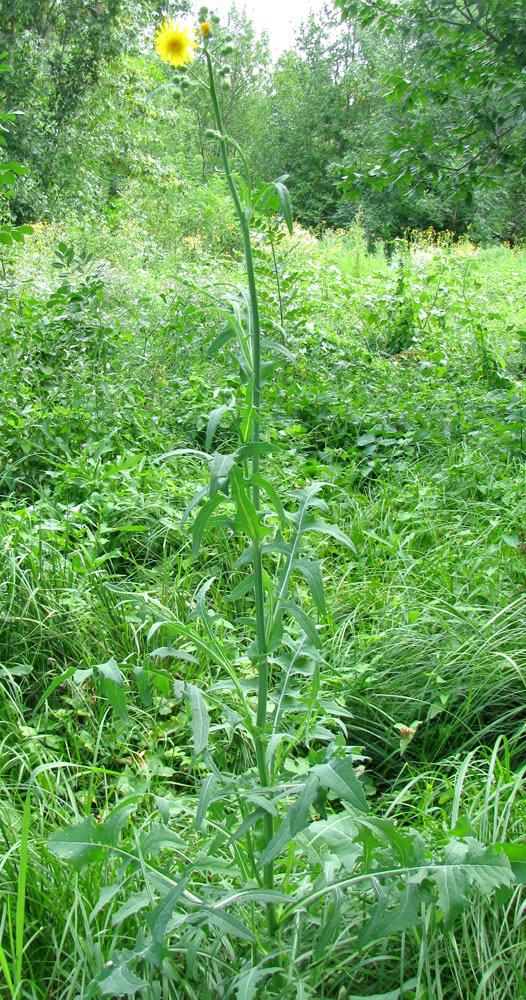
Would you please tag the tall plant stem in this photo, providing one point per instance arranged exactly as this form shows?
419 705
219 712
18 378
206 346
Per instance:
259 595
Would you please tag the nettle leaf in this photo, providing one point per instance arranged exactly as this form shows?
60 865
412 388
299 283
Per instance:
199 718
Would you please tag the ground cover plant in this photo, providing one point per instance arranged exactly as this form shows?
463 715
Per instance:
262 589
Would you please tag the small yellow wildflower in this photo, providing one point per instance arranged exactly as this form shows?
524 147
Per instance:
174 44
205 29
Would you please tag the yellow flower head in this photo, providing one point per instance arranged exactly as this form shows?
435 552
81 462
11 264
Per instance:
205 28
174 44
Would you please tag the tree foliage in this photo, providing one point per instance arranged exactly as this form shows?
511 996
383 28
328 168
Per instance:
460 91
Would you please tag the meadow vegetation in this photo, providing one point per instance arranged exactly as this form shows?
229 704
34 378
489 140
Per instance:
262 630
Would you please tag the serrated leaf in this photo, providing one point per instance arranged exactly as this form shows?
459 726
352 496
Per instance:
193 503
136 902
157 838
214 420
339 776
228 924
310 569
284 204
303 620
117 699
201 521
466 863
246 825
119 981
206 794
259 480
246 983
178 654
299 811
246 518
199 718
82 844
158 919
220 341
220 469
318 524
393 913
279 841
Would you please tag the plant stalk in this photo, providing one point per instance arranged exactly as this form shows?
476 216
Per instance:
259 594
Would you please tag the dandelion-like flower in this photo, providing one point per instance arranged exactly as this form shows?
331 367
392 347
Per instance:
205 28
174 44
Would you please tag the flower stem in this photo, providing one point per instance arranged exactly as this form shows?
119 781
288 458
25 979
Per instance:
259 594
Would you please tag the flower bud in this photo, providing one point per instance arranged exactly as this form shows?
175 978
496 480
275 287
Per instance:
225 70
227 49
203 14
214 18
226 82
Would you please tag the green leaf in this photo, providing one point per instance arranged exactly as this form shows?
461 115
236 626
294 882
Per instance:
158 919
284 203
193 503
178 654
201 522
299 811
227 923
206 794
246 517
318 524
213 421
199 718
120 981
339 776
279 841
157 838
393 913
220 341
82 844
220 469
246 983
303 620
466 863
310 569
259 480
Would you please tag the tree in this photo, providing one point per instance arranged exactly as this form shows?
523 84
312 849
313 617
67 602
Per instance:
56 52
460 88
